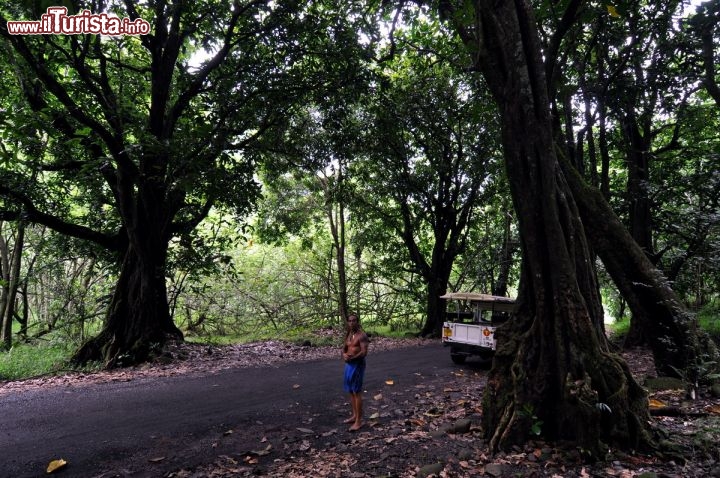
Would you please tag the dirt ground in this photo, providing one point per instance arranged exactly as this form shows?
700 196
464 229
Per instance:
430 429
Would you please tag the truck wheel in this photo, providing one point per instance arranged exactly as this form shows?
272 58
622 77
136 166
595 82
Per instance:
486 361
458 358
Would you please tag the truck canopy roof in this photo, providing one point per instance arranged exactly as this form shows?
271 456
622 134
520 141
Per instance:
477 297
494 302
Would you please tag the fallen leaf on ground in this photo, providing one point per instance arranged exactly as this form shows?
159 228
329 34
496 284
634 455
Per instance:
656 403
264 452
56 465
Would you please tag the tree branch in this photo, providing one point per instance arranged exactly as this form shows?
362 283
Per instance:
52 84
211 65
31 214
566 22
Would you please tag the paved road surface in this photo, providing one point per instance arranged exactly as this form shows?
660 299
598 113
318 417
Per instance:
118 429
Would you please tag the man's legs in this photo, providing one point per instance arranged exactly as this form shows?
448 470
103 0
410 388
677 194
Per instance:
354 374
356 401
352 408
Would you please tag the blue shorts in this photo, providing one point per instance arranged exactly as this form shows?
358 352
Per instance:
354 375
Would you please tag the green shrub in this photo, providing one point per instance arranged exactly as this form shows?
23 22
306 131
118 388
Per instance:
391 331
51 353
709 320
618 330
30 360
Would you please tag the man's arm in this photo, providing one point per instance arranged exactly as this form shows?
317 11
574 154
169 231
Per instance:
363 343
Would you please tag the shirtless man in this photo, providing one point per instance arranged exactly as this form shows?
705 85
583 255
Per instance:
354 350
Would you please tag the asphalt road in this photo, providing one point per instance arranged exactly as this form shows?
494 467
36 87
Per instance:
148 427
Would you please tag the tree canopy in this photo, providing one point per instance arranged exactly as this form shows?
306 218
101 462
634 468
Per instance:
147 134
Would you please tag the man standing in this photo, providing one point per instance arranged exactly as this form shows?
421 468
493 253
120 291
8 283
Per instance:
354 350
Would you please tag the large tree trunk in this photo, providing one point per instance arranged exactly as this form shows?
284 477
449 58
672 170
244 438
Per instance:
640 217
9 293
436 273
678 346
5 339
436 307
336 219
335 214
138 323
705 25
505 258
553 363
638 160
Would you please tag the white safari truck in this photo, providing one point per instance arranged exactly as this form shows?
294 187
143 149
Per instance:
471 321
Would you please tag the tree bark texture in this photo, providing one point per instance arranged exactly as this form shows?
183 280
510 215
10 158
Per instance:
138 322
505 258
9 293
335 212
637 144
436 307
679 347
5 328
436 272
705 23
553 365
638 161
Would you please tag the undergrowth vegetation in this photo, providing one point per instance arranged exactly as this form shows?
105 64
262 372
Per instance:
25 360
50 354
708 320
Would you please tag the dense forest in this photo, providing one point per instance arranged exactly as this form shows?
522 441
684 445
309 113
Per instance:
255 167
